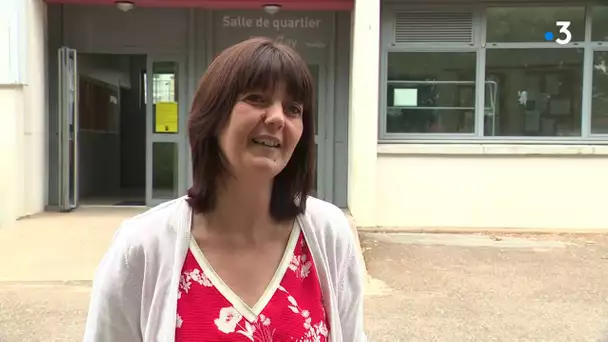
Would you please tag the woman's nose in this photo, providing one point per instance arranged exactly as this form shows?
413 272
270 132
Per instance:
275 115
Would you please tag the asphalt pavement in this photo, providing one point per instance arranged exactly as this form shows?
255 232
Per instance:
421 287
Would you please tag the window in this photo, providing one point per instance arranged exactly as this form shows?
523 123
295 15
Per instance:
599 23
538 86
163 84
529 24
533 86
538 92
165 106
431 92
599 102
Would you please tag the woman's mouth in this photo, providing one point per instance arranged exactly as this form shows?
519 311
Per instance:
267 142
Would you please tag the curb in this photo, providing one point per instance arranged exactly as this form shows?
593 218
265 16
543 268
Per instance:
539 231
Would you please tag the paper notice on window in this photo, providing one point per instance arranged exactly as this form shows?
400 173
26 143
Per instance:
405 97
166 117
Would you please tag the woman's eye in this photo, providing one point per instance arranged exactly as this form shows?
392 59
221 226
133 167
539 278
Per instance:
254 99
294 109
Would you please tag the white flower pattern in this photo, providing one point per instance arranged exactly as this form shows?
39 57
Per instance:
313 332
200 277
248 331
230 321
185 281
300 264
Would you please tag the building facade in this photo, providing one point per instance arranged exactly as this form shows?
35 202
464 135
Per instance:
472 114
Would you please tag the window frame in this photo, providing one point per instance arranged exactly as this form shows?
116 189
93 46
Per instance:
601 48
480 46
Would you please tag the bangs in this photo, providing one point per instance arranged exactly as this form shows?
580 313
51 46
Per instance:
271 68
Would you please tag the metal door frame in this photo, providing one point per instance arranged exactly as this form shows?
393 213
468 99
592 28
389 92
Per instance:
324 115
179 138
67 128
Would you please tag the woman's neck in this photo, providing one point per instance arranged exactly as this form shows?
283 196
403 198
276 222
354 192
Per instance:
242 209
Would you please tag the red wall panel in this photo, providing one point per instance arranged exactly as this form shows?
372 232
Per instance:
327 5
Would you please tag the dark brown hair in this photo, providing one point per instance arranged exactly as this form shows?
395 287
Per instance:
254 64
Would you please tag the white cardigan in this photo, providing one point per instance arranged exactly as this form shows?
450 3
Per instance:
134 296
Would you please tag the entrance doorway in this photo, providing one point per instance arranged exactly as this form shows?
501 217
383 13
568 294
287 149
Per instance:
166 128
104 129
122 129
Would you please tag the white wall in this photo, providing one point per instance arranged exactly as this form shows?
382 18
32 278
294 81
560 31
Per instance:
363 111
491 186
23 111
11 112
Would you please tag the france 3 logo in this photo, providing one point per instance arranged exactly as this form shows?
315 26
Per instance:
564 35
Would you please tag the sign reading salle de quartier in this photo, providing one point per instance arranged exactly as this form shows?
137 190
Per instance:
277 24
303 31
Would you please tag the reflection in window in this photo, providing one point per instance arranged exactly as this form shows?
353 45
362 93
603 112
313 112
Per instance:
599 102
538 92
528 24
599 20
164 170
164 88
164 97
431 92
163 85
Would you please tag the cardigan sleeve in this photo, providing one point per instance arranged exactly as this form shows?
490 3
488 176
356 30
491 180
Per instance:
350 290
114 310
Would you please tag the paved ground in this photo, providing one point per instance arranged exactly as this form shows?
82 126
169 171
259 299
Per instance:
422 287
42 312
481 288
45 283
58 247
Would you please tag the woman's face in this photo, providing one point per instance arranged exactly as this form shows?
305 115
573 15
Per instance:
262 133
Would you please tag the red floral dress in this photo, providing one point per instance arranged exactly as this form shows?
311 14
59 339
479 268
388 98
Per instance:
291 308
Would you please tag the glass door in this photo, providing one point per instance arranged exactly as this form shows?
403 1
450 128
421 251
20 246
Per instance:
68 129
318 74
166 128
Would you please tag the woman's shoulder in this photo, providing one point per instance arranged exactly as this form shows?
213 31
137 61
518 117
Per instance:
147 238
323 211
327 223
330 236
155 223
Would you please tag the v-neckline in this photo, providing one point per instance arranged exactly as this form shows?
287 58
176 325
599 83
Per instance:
250 313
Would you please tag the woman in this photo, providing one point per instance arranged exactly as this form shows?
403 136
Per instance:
247 255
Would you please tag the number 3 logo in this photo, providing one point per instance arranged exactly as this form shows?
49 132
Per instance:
563 28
